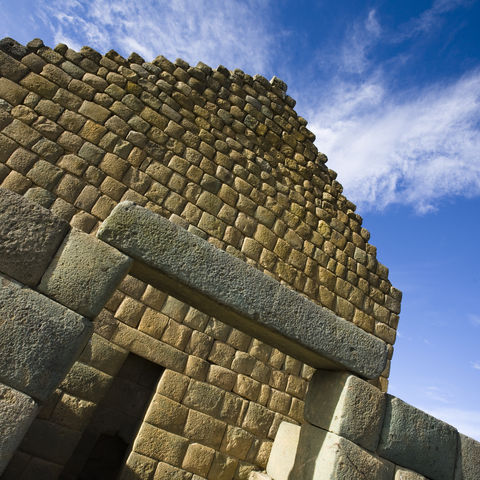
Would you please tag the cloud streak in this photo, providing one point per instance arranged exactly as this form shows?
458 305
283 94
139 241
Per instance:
413 147
235 33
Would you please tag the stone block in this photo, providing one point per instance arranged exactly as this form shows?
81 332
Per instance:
404 474
282 457
226 287
346 405
39 339
86 382
17 412
166 414
103 355
29 237
204 397
415 440
50 441
204 429
84 273
322 455
468 460
165 471
160 445
198 459
138 467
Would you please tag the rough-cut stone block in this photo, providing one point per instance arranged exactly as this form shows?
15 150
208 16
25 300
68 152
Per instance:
219 284
138 467
84 273
322 455
282 457
17 412
415 440
29 237
468 461
39 339
346 405
404 474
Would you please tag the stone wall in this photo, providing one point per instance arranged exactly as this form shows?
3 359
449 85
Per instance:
353 432
225 156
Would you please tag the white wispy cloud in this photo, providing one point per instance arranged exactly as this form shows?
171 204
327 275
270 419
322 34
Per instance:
397 147
235 33
437 394
476 365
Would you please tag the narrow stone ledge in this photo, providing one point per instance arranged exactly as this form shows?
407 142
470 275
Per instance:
346 405
322 455
17 412
39 339
404 474
84 273
415 440
211 280
29 237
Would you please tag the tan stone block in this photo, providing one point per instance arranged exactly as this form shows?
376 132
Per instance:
160 445
260 350
247 387
223 467
21 133
173 385
261 372
296 386
130 311
73 412
297 410
221 377
237 442
149 348
197 368
154 118
222 354
154 298
258 419
196 319
385 332
153 323
167 472
12 92
94 111
103 355
166 414
239 340
138 467
364 321
103 206
204 429
200 344
114 166
198 459
261 459
176 335
279 402
39 85
233 408
279 380
204 397
92 131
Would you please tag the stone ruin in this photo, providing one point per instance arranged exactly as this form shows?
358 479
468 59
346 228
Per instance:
185 292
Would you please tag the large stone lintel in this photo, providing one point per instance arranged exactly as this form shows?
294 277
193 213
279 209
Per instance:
211 280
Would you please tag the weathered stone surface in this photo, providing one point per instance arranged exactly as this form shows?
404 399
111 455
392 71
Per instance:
322 455
29 237
39 339
468 460
404 474
415 440
346 405
138 467
17 412
84 273
282 457
212 280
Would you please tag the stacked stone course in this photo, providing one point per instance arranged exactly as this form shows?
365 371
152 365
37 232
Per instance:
224 155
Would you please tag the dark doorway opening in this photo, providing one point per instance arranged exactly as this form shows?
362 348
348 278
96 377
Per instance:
107 441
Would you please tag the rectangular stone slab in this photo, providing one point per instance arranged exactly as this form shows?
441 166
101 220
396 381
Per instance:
219 284
39 339
415 440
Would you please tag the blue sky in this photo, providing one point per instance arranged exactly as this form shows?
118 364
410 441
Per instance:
392 91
